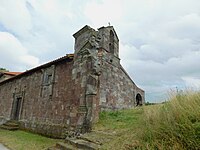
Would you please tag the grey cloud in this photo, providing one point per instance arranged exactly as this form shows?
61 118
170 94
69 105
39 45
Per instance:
159 39
13 55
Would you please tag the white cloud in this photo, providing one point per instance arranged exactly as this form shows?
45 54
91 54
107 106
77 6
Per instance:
185 27
103 12
192 82
159 39
15 17
13 55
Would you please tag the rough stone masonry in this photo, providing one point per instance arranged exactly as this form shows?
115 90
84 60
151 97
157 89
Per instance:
64 97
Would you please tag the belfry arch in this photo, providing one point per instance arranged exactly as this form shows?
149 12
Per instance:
111 44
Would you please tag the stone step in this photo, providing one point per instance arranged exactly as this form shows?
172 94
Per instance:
89 140
65 146
13 121
53 148
11 124
9 127
82 144
98 137
79 143
75 144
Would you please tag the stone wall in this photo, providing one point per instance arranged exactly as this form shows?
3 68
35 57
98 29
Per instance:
109 40
86 72
47 98
117 90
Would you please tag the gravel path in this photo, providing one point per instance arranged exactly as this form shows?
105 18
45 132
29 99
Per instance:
2 147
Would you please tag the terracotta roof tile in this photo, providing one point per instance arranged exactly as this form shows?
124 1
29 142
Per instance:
12 73
69 57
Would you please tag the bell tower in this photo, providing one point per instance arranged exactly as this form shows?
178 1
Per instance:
109 40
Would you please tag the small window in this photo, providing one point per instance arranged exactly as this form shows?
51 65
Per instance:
47 82
48 79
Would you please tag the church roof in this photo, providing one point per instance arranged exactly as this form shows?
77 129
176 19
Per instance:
12 73
68 57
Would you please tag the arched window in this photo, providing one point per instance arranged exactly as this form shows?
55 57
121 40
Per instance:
111 44
138 100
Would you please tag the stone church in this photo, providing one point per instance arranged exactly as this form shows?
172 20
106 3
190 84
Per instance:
65 96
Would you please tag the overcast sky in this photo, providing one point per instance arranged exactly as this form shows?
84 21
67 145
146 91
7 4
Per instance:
159 39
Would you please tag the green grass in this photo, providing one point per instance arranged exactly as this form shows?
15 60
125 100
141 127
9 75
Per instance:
174 125
117 120
21 140
122 123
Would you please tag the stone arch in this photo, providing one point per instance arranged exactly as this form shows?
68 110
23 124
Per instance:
111 44
138 100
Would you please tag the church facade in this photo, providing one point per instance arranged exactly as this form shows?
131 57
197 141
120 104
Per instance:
64 97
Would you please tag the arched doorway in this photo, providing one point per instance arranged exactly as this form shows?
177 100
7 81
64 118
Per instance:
138 100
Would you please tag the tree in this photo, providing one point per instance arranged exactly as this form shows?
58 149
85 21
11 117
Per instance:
3 70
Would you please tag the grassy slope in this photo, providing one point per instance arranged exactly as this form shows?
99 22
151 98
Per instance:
172 126
20 140
123 123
